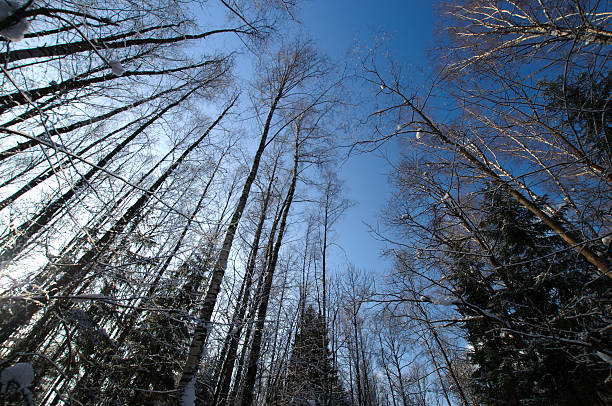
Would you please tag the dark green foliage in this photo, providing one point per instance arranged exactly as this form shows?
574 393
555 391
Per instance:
538 320
584 105
159 343
141 366
94 348
311 379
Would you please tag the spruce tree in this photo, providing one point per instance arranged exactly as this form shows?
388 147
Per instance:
311 379
583 104
537 323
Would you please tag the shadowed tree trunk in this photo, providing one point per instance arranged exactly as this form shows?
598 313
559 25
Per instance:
230 348
203 327
251 374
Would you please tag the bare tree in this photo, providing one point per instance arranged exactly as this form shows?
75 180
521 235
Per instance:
292 67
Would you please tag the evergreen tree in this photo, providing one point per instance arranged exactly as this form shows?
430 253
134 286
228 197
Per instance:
311 379
584 105
537 323
162 338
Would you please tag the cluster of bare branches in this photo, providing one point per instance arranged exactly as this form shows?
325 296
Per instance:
137 231
501 220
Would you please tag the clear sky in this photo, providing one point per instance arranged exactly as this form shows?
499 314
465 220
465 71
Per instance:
337 26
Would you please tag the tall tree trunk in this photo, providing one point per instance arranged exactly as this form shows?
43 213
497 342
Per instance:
18 98
24 146
230 347
247 398
556 226
203 327
109 42
128 324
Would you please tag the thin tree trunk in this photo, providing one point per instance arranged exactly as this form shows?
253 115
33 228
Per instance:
203 327
20 236
229 359
385 367
449 366
251 374
358 373
87 260
556 226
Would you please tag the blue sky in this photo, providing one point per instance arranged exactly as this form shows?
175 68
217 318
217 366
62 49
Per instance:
337 27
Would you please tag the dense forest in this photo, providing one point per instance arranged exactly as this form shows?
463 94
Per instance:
170 201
